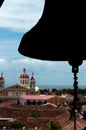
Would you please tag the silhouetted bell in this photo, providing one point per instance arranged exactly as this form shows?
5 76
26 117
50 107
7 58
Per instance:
59 35
1 2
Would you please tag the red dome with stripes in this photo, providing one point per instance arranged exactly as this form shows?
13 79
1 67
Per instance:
24 74
32 77
1 77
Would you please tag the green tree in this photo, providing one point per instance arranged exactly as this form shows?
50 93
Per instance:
52 125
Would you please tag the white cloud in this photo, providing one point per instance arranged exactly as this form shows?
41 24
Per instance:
41 64
2 61
4 65
35 64
20 15
61 68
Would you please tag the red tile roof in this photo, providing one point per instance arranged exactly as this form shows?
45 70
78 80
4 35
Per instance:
37 97
49 104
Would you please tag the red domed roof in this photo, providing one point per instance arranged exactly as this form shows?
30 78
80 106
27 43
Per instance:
32 77
24 74
1 77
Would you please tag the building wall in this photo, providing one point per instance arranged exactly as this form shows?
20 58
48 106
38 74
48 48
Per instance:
55 100
19 91
15 93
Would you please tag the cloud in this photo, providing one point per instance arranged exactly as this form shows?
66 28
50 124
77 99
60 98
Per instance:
21 15
2 61
41 64
4 65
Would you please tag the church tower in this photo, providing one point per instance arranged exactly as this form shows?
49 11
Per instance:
2 82
24 79
32 83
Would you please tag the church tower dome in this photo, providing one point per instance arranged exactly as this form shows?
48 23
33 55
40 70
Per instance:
2 82
24 78
24 74
32 82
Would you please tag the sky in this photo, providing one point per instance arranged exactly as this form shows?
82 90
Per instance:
16 18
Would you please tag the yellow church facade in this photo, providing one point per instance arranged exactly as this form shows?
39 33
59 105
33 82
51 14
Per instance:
26 86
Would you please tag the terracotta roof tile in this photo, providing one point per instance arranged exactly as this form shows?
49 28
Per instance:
37 97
